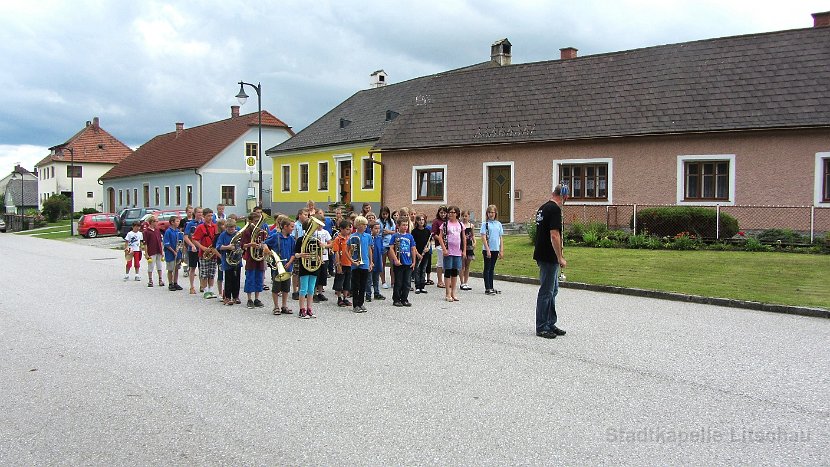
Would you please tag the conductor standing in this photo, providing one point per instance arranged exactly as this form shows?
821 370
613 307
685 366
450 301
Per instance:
548 255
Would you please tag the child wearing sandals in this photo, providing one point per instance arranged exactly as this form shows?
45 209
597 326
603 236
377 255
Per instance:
307 279
451 238
491 247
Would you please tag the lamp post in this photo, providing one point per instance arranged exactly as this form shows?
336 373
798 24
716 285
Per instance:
242 98
71 190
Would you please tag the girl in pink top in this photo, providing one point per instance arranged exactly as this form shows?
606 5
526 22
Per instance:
451 239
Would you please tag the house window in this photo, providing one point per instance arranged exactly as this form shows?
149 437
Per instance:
228 195
286 178
323 176
303 177
74 171
706 179
585 181
128 198
121 197
250 150
53 171
190 195
368 174
135 197
429 183
89 194
826 190
167 196
178 195
157 195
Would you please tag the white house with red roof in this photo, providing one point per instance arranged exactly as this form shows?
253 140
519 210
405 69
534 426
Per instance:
94 152
200 166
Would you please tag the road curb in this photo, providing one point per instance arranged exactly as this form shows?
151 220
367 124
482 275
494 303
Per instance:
677 297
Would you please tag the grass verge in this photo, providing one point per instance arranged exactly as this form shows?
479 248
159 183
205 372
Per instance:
779 278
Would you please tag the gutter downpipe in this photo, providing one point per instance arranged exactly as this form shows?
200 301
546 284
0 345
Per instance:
200 186
382 174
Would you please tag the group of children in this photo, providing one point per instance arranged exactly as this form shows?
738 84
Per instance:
354 249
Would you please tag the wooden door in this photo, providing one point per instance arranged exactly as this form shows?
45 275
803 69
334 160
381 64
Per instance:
498 190
346 181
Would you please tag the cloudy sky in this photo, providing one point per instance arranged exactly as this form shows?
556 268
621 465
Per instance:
143 65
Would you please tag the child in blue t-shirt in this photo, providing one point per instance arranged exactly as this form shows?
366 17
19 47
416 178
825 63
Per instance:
232 273
377 261
403 254
173 242
284 243
360 272
491 247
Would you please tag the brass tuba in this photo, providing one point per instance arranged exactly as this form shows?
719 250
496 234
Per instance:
311 245
355 250
275 262
258 235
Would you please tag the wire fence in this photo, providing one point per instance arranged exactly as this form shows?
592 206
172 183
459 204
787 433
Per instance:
808 222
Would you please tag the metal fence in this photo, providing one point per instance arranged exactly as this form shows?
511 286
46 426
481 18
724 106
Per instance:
808 221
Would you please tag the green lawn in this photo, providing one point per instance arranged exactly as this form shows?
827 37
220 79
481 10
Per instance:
780 278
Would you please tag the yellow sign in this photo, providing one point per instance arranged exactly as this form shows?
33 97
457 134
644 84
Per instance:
250 163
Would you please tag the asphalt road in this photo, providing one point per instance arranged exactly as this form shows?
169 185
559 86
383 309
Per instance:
97 371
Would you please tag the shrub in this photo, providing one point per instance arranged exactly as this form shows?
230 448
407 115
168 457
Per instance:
637 241
531 229
590 238
598 228
653 243
670 221
576 231
753 244
719 246
684 241
39 221
606 242
619 236
781 235
55 207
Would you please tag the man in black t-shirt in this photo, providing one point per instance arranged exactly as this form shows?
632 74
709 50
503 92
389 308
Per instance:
548 255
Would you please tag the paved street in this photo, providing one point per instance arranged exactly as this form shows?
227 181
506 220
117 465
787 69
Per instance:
97 371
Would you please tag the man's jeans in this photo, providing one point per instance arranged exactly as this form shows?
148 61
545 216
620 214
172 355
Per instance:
546 299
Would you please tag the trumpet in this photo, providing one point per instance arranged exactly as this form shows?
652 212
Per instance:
355 250
311 245
275 262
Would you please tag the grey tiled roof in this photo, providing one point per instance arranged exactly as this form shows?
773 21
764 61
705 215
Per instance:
29 188
759 81
366 113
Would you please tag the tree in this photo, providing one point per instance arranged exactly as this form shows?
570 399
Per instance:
56 207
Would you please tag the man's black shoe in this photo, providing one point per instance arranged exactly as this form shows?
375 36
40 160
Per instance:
546 334
558 331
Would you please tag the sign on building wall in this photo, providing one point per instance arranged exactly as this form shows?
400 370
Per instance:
250 164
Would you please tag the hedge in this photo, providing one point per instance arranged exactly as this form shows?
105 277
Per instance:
670 221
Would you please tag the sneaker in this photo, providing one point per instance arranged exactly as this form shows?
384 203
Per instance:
340 302
171 288
488 292
346 302
310 314
397 303
316 299
206 295
368 298
385 286
379 297
295 296
323 298
356 309
417 291
465 287
137 279
423 290
126 277
362 309
406 303
302 313
250 304
258 303
265 287
178 287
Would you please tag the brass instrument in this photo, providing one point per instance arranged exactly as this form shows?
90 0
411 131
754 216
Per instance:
234 257
355 250
258 235
311 245
275 262
210 253
179 246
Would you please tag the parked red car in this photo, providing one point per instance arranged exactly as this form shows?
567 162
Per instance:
102 223
165 216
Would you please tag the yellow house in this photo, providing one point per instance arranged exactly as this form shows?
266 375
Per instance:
331 160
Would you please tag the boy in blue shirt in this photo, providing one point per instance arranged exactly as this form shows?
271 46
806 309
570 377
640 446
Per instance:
403 254
360 272
377 261
230 294
173 239
284 244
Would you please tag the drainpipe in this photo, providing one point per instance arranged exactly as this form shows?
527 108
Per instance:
382 175
200 186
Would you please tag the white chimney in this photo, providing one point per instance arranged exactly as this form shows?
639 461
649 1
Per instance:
377 79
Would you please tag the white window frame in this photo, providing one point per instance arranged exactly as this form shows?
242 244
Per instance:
593 160
414 183
485 184
283 177
363 160
120 197
157 194
135 197
818 196
222 200
188 192
681 178
323 175
178 195
300 177
167 195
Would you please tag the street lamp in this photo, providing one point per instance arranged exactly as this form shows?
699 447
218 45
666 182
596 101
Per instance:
242 98
71 189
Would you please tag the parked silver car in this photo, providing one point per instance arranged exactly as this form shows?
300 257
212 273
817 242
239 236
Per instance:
2 225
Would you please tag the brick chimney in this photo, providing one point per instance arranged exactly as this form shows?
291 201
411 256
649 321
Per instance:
821 20
234 111
500 52
95 123
567 53
179 128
